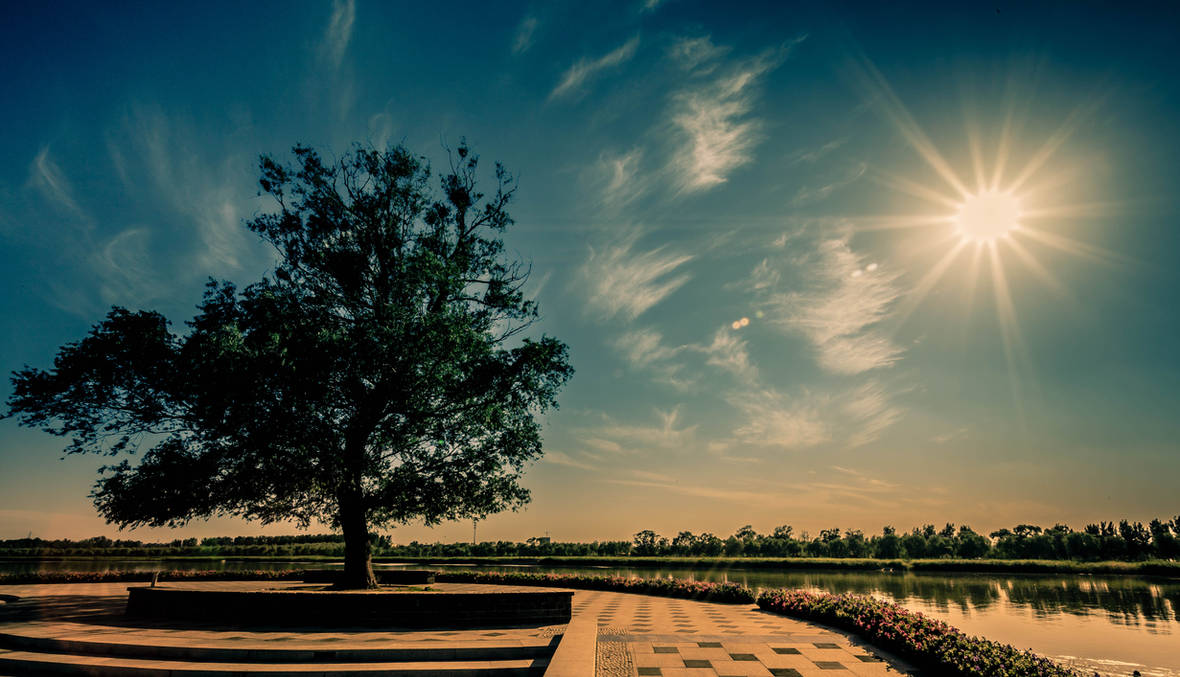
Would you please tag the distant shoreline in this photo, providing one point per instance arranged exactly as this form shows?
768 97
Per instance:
1164 568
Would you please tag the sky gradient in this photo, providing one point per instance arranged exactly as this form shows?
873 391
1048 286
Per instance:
742 221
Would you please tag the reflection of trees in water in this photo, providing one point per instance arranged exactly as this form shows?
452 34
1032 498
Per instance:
1126 600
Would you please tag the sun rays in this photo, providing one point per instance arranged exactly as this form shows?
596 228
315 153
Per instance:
1002 212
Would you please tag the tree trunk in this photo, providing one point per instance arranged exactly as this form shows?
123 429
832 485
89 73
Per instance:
358 551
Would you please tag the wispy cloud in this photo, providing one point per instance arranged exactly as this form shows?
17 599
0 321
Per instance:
810 194
811 156
697 54
128 272
380 130
600 444
846 298
205 194
669 433
338 33
651 476
943 438
586 69
49 180
772 419
330 84
621 282
728 352
525 32
560 458
645 347
872 411
742 496
619 177
645 350
717 133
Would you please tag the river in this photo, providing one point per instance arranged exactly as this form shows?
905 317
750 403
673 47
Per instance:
1112 625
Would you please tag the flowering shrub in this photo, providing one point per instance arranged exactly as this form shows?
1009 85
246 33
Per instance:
664 587
924 640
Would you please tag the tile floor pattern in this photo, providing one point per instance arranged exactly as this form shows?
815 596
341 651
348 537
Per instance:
666 637
650 636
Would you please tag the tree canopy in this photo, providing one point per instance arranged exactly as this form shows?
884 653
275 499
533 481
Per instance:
380 375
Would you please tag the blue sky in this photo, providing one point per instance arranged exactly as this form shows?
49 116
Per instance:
746 221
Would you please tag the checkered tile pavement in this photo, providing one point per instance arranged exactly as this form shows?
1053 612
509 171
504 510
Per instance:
666 637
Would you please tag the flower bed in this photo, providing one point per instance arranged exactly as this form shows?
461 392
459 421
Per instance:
928 642
665 587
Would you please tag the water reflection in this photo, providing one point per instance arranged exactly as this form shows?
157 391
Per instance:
1125 600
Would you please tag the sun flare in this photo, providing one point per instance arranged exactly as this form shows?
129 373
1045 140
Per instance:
994 219
988 215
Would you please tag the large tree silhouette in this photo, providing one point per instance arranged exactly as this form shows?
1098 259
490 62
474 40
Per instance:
380 376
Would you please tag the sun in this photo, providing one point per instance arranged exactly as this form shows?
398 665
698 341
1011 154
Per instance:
987 216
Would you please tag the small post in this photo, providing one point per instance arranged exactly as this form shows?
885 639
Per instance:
155 576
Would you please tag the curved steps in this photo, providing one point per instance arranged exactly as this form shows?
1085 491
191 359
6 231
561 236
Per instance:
29 653
246 651
26 662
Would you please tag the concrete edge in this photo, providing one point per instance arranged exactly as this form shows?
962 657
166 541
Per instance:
577 652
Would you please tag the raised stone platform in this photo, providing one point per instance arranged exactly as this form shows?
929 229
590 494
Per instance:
441 605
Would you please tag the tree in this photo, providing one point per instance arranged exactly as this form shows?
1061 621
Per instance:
379 376
648 542
746 533
683 543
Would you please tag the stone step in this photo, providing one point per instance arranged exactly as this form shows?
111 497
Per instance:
33 663
247 651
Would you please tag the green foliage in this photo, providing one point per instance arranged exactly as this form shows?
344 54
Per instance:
379 377
1106 541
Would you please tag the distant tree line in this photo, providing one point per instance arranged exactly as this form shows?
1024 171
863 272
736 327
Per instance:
1124 540
330 545
1103 541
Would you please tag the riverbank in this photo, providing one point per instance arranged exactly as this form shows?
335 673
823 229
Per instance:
1164 568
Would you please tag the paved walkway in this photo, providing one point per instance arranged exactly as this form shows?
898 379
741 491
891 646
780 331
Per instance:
639 636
